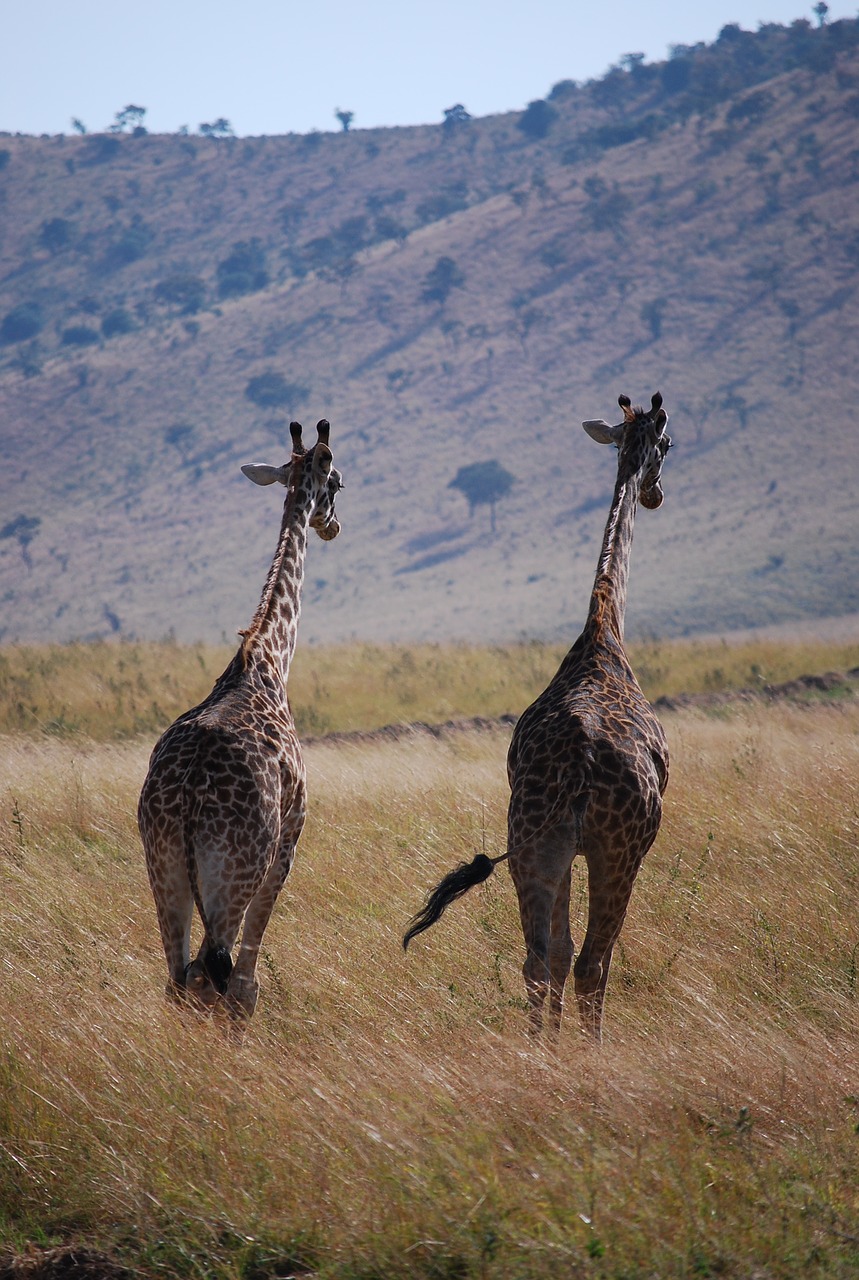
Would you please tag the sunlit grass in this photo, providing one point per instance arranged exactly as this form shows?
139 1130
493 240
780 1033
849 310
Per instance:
386 1115
119 690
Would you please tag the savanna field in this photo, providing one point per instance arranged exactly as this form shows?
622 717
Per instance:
386 1115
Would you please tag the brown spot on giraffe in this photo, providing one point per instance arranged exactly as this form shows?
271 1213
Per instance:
587 766
224 801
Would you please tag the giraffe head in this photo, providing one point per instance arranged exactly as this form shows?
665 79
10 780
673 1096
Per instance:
642 442
310 477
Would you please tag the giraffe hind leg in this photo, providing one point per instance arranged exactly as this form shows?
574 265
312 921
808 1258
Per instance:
542 877
242 990
560 952
607 904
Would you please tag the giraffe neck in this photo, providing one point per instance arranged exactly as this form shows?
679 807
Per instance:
608 598
271 637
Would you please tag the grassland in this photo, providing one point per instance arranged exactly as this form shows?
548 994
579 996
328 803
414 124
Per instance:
110 691
387 1116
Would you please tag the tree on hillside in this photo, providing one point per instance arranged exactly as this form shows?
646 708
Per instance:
537 119
483 484
820 11
219 128
78 126
345 118
244 270
130 118
453 116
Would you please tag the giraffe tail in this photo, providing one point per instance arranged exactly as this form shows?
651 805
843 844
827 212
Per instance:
218 964
453 886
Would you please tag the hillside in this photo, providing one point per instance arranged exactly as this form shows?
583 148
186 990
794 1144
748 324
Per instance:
167 304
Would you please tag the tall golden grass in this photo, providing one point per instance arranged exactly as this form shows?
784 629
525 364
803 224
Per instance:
107 691
386 1115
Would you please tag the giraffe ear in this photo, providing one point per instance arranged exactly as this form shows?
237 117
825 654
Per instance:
322 459
600 431
262 473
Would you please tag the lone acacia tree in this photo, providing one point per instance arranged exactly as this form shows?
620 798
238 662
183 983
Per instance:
483 484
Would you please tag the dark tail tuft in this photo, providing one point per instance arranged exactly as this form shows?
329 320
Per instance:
454 885
218 964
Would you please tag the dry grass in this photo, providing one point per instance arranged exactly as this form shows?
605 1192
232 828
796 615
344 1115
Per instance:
386 1115
107 691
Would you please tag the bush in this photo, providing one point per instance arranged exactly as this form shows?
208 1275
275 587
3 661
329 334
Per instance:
242 271
101 148
5 157
130 244
442 203
751 108
56 234
22 322
270 390
79 335
186 291
537 119
439 282
117 322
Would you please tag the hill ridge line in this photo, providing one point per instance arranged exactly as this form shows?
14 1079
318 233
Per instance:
828 682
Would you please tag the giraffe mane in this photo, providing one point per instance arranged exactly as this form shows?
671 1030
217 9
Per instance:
262 614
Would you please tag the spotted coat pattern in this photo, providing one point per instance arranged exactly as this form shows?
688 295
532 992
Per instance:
588 762
224 800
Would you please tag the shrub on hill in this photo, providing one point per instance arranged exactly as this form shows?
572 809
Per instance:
117 322
128 244
270 390
79 335
440 280
537 118
443 203
183 290
21 323
100 148
56 234
244 270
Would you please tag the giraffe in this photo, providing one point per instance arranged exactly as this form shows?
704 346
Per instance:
224 801
587 766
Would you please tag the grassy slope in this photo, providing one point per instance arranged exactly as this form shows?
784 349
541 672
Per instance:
386 1115
741 231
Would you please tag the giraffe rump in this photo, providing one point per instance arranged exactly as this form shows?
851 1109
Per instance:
453 886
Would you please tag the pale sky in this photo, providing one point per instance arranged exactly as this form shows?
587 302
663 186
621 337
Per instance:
285 66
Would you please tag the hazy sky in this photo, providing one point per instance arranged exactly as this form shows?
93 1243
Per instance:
284 66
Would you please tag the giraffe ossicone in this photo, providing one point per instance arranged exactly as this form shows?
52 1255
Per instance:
587 765
224 800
